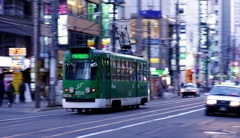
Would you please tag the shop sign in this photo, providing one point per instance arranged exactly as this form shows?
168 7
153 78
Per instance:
17 52
17 55
5 61
151 14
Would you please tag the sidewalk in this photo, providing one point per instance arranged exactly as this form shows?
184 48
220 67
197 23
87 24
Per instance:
28 107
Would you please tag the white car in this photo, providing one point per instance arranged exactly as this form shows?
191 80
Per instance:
223 99
190 89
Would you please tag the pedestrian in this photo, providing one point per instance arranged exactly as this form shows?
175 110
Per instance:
22 89
10 91
2 91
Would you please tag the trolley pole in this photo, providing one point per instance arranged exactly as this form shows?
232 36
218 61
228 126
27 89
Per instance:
53 65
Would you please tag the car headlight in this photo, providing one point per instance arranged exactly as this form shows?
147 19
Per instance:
211 101
71 90
87 90
234 103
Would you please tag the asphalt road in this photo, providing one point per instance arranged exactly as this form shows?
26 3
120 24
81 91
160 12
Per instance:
172 118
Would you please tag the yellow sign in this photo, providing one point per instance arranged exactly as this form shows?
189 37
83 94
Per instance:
17 78
154 60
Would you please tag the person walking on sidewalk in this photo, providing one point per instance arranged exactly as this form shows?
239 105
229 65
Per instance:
2 91
10 91
22 89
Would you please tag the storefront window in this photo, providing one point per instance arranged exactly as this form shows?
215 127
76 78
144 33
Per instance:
75 7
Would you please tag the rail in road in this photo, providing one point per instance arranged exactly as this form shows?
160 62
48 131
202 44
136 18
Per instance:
71 124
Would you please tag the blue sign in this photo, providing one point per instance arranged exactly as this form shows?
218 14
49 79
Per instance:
152 41
150 14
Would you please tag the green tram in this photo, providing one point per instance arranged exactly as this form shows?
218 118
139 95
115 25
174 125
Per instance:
94 79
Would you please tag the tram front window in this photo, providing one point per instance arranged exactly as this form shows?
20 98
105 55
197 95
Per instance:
80 71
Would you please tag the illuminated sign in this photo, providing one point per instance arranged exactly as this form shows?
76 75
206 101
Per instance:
5 61
17 52
203 23
80 56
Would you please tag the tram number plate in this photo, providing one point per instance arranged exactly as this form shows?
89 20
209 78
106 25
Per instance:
223 109
79 93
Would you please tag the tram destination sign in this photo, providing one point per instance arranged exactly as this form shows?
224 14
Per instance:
80 56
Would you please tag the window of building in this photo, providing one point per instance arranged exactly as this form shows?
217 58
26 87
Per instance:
75 7
82 39
19 8
154 26
1 43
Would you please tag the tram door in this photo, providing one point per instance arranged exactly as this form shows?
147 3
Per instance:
106 79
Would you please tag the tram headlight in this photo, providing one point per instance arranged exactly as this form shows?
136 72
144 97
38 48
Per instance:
71 90
87 90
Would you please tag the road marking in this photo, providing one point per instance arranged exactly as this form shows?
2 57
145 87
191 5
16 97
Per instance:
113 123
169 101
140 123
114 118
31 117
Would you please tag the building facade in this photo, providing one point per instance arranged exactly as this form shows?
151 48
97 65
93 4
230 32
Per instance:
161 30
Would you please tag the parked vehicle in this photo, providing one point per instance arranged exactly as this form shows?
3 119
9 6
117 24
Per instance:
190 89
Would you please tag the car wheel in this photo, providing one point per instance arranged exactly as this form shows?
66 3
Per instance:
208 113
183 96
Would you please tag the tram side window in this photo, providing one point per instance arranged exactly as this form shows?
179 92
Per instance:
103 70
114 69
139 72
145 71
107 69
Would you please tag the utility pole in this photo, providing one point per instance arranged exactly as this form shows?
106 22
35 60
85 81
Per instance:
37 56
139 27
149 53
54 41
149 42
177 69
207 57
114 29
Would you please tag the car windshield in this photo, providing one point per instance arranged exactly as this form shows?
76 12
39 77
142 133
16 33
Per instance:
188 86
225 91
80 71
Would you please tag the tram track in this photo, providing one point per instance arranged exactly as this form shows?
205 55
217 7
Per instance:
12 120
101 122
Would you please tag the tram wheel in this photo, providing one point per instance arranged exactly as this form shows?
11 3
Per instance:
137 106
79 111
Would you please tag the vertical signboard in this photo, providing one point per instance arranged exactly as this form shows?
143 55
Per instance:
203 24
203 11
105 20
62 23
